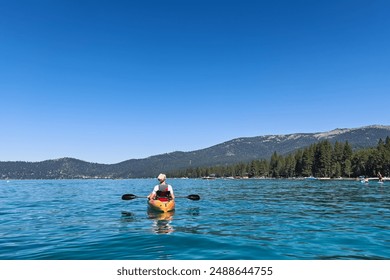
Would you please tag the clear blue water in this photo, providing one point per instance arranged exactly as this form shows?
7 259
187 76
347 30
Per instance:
235 219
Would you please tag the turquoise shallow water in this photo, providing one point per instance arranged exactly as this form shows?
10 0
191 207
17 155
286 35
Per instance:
235 219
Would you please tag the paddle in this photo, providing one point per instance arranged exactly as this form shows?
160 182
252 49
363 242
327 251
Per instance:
191 196
132 196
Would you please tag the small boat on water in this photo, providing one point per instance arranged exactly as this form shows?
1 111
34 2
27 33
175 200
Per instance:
161 205
208 178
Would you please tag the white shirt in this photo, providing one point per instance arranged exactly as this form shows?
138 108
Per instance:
156 188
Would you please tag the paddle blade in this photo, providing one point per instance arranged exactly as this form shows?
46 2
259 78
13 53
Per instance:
193 197
128 196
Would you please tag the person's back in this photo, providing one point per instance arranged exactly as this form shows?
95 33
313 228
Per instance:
162 191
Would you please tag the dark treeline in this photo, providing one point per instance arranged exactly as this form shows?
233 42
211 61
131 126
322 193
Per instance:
319 160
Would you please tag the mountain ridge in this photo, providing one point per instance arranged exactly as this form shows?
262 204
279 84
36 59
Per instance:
242 149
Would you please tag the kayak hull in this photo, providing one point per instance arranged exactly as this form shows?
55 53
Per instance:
161 206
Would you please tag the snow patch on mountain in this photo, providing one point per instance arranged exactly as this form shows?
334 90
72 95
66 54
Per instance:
332 133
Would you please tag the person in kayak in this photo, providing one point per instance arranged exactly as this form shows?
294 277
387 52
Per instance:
162 191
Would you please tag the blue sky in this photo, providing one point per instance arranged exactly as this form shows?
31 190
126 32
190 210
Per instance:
107 81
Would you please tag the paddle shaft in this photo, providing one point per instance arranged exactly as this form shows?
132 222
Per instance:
132 196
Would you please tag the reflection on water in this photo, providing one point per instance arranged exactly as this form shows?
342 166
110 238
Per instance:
161 221
128 216
193 211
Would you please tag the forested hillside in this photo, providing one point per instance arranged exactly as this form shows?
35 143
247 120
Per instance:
319 160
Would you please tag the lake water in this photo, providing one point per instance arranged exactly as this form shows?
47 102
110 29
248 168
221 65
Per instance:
235 219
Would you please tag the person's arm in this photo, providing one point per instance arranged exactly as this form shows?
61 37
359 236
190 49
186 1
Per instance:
152 195
172 194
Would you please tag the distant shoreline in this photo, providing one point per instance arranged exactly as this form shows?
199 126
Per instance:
298 178
371 179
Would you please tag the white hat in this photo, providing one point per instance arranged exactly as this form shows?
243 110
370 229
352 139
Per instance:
162 177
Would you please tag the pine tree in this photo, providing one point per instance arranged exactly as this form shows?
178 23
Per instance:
347 156
323 159
307 162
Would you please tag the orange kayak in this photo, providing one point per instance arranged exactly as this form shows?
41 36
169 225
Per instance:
161 206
